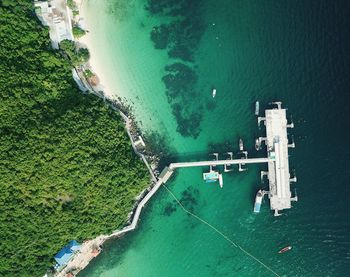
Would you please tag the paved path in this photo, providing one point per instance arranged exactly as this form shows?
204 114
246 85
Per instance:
220 162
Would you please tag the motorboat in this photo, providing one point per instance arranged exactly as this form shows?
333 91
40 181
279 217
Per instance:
257 108
258 200
221 182
214 92
285 249
240 145
257 144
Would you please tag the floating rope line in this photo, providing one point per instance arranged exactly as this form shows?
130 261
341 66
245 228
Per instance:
222 234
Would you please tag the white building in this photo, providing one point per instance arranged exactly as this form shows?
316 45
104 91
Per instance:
54 14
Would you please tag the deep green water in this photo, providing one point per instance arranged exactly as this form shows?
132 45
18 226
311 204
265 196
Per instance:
293 51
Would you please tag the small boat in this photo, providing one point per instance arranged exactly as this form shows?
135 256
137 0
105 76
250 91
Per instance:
257 108
240 145
214 92
258 199
285 249
257 144
221 183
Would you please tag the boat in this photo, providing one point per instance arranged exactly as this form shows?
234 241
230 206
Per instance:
211 176
257 108
258 199
214 92
221 183
285 249
240 145
257 144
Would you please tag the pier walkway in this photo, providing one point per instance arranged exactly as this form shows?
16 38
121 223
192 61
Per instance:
221 162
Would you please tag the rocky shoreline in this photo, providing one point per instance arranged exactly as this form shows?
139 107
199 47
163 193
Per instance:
88 251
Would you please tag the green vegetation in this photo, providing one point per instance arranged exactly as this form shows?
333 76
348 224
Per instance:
88 73
78 32
77 56
71 4
67 170
75 13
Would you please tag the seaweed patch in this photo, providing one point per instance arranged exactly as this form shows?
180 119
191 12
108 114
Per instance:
189 198
180 82
170 208
180 38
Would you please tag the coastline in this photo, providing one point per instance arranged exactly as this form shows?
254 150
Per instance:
97 68
310 246
104 89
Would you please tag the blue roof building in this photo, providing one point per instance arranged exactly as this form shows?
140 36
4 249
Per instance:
63 256
66 253
74 245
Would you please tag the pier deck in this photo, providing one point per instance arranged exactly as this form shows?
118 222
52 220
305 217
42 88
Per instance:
220 162
277 147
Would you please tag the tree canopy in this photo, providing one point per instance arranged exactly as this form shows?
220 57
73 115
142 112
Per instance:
67 169
78 32
76 55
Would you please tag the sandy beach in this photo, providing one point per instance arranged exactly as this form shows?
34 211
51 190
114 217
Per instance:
95 63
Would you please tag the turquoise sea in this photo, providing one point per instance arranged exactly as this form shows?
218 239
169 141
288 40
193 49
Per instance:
164 57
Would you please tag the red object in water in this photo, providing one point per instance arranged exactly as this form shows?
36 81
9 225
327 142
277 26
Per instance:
285 249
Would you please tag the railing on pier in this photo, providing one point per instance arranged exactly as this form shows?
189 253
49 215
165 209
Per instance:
220 162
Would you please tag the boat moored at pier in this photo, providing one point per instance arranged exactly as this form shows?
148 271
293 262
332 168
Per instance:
258 200
257 108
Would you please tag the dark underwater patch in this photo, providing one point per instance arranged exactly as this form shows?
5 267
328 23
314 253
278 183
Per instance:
180 82
180 38
189 198
160 36
170 208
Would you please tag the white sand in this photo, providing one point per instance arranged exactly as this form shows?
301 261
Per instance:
95 63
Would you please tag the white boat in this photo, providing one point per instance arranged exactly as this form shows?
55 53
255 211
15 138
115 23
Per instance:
258 200
221 183
257 108
214 92
240 145
257 144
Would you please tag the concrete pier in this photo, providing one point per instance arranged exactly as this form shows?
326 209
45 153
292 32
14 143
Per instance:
173 166
276 140
277 147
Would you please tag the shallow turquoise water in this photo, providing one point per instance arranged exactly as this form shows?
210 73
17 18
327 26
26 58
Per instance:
291 51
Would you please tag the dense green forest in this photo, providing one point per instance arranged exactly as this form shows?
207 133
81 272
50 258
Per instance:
67 170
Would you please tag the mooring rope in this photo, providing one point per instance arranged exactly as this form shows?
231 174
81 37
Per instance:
220 233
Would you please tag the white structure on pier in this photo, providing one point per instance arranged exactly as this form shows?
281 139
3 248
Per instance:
277 147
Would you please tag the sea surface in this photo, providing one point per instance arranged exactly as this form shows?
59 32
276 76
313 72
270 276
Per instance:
164 58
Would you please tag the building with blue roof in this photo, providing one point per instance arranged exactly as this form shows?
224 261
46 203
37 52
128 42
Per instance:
74 245
66 253
63 256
